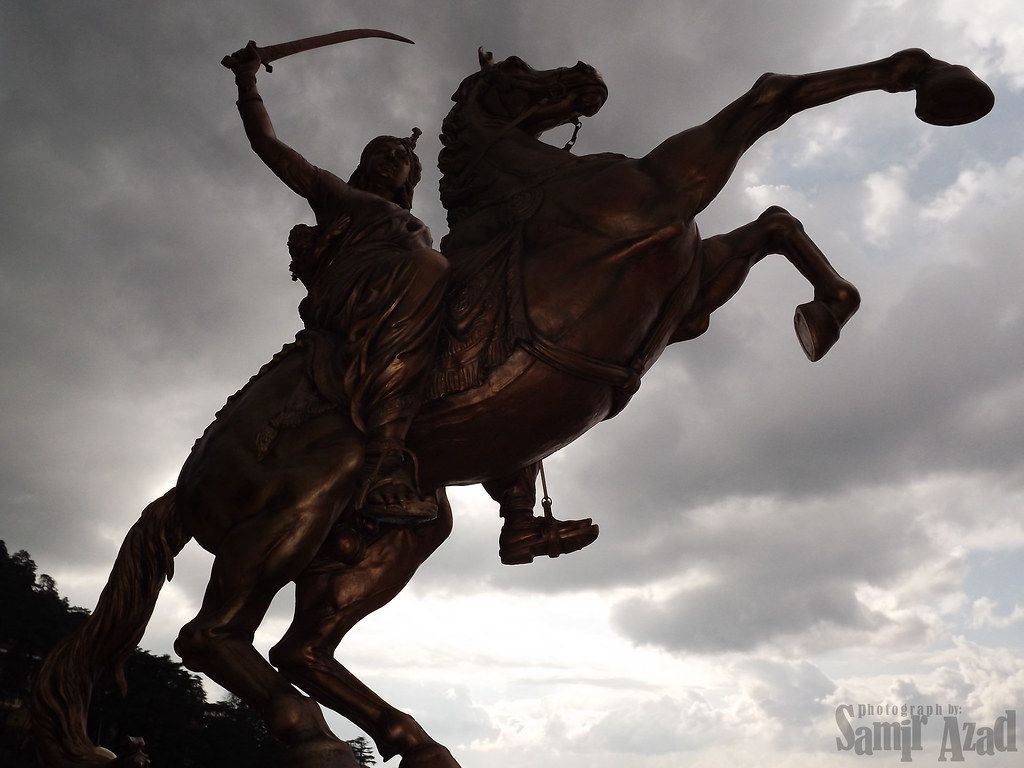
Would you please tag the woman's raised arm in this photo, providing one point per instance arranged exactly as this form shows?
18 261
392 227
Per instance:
289 166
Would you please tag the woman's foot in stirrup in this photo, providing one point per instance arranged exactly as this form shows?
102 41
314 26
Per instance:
394 499
391 493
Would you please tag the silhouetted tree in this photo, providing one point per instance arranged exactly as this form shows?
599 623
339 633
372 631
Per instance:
32 618
165 704
361 749
235 735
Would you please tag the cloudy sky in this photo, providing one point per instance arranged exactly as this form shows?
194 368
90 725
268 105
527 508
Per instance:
778 537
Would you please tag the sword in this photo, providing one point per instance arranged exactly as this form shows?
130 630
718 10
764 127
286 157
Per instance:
271 53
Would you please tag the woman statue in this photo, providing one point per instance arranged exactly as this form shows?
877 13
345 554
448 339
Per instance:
372 311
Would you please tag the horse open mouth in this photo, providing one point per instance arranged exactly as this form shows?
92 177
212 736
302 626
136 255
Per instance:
591 101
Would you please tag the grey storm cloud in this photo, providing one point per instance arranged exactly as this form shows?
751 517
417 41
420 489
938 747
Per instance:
775 572
655 727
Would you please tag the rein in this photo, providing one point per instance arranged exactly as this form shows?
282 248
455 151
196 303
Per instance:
575 132
500 134
515 123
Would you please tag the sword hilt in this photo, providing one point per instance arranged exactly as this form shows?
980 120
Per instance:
226 61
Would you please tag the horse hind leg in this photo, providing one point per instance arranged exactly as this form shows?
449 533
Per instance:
259 557
329 602
728 258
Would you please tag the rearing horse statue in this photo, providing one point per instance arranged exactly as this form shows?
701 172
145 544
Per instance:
589 266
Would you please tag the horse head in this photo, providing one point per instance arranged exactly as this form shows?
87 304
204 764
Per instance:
505 100
534 100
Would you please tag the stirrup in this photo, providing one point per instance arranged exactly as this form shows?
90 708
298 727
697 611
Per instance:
520 544
391 468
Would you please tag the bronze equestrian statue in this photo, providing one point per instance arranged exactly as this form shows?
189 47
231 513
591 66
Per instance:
566 278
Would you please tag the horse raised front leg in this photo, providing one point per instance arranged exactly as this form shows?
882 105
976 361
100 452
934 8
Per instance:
947 94
695 164
330 598
727 260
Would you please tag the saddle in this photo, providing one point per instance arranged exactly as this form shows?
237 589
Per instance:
484 310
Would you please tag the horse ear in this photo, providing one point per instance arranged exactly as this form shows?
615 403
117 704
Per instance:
486 58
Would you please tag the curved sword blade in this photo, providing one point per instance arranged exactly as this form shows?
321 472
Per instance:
271 53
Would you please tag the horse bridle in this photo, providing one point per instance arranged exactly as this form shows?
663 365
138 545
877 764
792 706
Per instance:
553 95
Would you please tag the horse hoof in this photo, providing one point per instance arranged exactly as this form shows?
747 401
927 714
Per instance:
951 94
816 328
434 756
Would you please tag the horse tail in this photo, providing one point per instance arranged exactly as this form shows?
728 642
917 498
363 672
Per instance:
60 698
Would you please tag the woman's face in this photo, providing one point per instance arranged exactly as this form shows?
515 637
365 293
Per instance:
389 166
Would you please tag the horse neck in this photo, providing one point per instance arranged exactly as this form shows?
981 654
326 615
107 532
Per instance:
484 165
486 160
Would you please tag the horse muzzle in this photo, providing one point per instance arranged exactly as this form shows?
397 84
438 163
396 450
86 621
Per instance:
591 100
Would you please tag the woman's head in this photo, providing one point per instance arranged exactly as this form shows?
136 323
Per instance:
388 167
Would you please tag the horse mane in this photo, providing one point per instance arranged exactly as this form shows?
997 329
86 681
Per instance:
467 184
472 176
483 321
456 156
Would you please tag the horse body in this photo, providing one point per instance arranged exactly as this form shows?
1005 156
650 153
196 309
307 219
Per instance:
605 251
626 261
597 277
609 270
225 482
